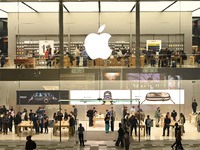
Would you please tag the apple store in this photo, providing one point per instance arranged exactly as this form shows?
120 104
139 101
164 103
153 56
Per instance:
104 56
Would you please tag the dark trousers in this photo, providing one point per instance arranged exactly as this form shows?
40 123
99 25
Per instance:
41 128
135 127
120 140
166 127
90 121
194 109
81 139
148 130
46 128
112 125
178 144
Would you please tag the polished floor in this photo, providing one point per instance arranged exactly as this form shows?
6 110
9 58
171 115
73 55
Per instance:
97 139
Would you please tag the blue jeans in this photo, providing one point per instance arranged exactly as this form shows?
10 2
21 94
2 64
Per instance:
107 128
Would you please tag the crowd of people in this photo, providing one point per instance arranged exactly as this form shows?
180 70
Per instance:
128 127
166 57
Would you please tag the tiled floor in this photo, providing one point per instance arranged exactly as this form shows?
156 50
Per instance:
97 139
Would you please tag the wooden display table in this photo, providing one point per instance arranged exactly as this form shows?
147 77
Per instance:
25 124
142 58
132 61
57 125
99 62
24 62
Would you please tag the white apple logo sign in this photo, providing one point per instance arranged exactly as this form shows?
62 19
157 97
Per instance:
96 45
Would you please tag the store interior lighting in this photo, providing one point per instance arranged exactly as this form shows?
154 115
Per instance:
102 6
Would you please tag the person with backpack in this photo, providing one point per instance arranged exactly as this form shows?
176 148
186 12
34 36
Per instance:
30 144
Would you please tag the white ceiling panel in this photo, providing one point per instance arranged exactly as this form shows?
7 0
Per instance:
184 6
196 13
117 6
3 14
14 7
44 6
154 6
82 6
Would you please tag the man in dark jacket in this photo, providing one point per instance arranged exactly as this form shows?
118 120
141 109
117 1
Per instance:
167 122
71 125
30 144
194 106
90 114
133 122
174 115
120 138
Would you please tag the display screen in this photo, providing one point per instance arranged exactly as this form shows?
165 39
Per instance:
111 76
144 77
145 80
173 81
45 97
159 96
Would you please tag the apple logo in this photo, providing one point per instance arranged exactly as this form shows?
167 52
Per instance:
96 45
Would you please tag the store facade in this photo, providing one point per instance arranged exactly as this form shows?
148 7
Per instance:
30 33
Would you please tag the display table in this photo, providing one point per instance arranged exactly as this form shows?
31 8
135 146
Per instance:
24 62
99 117
25 124
142 58
132 61
57 125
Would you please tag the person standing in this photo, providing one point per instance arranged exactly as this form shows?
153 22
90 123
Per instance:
75 112
90 115
198 122
182 121
133 123
71 125
174 115
112 119
65 115
107 120
157 116
148 123
194 106
120 139
46 124
17 120
167 121
81 135
3 60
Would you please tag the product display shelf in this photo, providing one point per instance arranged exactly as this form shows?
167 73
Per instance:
27 49
119 45
73 46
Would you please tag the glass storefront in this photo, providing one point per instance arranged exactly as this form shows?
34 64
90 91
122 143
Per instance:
149 62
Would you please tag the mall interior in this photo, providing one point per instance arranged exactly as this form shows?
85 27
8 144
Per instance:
103 54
